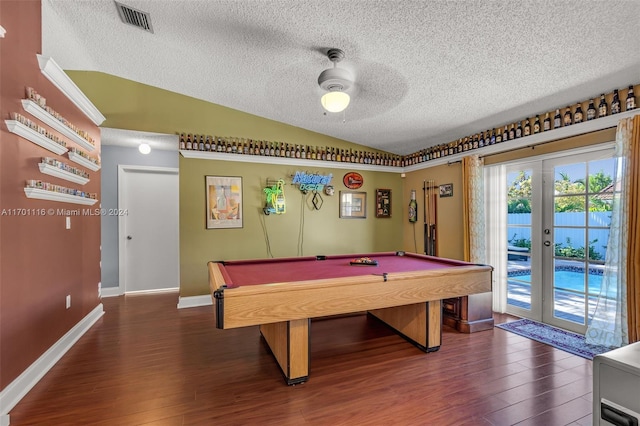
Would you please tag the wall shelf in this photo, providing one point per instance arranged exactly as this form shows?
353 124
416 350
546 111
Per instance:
531 140
287 161
31 135
50 170
77 158
42 194
61 80
34 109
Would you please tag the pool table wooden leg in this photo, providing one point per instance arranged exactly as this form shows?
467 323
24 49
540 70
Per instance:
289 344
420 323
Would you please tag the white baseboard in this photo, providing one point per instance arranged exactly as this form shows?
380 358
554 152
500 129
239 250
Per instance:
194 301
111 292
17 389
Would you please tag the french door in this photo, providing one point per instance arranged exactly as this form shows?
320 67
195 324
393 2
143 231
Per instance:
557 230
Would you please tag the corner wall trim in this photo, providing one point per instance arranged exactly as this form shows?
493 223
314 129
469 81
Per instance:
111 291
17 389
194 301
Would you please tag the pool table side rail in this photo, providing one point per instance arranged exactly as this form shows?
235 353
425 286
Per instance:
286 301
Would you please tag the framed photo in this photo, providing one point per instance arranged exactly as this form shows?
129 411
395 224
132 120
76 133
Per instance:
353 205
224 202
383 203
446 190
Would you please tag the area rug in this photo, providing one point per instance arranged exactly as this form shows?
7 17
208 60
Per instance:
556 337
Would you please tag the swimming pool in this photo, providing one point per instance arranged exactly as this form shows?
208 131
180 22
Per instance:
569 301
569 280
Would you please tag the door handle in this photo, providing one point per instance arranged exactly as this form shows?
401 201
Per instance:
129 237
547 243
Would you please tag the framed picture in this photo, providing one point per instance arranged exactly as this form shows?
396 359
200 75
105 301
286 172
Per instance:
353 205
224 202
383 203
446 190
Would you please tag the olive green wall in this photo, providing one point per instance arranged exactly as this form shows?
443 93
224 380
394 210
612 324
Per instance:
134 106
449 232
321 231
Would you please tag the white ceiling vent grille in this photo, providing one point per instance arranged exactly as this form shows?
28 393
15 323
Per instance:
134 17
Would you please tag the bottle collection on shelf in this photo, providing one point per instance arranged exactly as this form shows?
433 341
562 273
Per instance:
63 166
235 145
38 184
541 123
526 128
37 128
46 186
42 102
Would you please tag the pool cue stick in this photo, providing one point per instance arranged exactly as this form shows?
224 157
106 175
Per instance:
424 215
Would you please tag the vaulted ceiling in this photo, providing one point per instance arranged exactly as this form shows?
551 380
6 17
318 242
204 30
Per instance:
426 72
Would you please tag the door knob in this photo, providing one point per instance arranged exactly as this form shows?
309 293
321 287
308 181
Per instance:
129 237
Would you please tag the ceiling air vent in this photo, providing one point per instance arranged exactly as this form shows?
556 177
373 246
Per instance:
134 17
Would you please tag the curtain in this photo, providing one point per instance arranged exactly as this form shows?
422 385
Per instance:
633 247
609 324
473 209
496 232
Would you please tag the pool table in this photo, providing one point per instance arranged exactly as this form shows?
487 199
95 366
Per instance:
281 295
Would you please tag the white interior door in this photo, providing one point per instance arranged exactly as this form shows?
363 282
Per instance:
148 228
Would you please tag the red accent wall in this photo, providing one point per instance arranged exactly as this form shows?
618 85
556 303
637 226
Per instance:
41 262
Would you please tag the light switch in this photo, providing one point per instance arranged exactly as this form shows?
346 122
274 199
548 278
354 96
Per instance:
68 222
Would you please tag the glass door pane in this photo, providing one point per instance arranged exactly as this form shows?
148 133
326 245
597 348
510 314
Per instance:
578 230
523 278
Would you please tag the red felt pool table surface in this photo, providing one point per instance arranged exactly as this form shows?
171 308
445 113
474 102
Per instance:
268 271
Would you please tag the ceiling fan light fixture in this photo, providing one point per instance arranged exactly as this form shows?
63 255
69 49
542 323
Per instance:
335 101
335 81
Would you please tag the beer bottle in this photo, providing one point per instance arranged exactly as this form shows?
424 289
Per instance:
527 127
512 133
505 134
557 120
189 144
546 124
631 99
591 111
568 117
183 141
536 125
615 103
602 107
519 130
578 116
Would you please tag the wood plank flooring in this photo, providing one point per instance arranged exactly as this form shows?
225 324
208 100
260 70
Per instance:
148 363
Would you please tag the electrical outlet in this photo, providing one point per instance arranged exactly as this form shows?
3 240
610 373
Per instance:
68 301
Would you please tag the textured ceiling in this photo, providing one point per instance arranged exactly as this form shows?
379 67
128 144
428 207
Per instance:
426 72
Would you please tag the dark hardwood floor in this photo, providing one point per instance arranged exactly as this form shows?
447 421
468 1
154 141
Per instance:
147 363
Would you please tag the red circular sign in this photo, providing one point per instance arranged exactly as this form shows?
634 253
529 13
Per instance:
352 180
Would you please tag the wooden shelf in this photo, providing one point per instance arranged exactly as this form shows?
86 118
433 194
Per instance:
205 155
42 194
77 158
34 109
50 170
31 135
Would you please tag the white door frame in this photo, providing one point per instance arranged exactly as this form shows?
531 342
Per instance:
122 169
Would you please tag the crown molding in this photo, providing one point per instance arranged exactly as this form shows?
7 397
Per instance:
61 80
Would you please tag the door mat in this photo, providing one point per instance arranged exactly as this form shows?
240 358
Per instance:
556 337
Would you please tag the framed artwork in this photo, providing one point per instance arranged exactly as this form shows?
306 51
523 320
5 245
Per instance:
446 190
383 203
224 202
353 205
